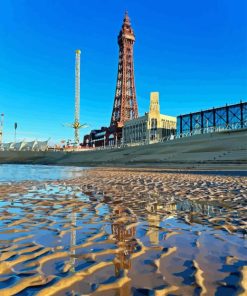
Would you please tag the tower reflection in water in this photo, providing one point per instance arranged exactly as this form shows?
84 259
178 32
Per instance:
73 242
125 237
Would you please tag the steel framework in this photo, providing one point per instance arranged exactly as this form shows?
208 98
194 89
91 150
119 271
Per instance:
228 117
125 105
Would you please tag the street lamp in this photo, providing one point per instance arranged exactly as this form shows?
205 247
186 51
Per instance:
15 127
1 129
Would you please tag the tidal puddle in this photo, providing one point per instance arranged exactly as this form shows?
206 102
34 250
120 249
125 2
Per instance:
18 173
57 240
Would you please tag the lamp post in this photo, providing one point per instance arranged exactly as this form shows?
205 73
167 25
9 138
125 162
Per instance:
15 127
1 130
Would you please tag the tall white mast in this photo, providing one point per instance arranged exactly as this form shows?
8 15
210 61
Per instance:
77 95
76 124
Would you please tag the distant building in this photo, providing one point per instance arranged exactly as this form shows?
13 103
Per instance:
96 138
25 146
151 127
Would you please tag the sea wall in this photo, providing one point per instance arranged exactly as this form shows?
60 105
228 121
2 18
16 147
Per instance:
219 150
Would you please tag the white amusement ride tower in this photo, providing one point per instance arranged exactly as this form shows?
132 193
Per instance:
76 125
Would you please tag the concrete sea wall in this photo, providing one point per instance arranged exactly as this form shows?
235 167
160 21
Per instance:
224 150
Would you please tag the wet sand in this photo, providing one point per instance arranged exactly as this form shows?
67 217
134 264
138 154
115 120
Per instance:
124 232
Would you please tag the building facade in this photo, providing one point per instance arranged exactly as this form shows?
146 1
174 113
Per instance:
152 127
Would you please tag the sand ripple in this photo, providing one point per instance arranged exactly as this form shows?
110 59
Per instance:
124 232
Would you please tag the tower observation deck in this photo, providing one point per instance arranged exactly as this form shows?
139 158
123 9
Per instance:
125 105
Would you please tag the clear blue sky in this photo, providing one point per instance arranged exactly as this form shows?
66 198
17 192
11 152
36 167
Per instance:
193 52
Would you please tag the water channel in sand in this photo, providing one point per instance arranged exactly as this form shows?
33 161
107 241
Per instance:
87 237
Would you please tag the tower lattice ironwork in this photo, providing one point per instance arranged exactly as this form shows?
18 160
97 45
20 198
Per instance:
125 105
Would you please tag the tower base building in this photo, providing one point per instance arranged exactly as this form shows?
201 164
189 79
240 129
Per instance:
150 128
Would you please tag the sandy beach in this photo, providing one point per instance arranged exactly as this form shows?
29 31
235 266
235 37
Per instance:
123 232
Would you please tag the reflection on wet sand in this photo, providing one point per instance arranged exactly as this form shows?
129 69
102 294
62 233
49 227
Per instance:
125 238
73 242
124 233
153 232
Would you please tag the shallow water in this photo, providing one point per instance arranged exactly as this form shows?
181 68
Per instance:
17 173
57 240
68 232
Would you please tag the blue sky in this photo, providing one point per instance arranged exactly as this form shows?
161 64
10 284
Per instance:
193 52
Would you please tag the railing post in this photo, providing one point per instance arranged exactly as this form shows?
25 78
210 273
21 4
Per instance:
181 126
202 123
191 128
241 114
227 116
214 119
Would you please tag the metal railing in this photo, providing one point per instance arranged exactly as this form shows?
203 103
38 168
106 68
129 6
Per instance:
213 129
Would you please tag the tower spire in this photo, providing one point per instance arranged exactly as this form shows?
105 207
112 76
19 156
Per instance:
126 18
125 105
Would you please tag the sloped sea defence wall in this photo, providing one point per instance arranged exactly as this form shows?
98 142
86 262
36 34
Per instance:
224 150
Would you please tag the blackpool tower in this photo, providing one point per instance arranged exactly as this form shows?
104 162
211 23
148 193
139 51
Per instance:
125 105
